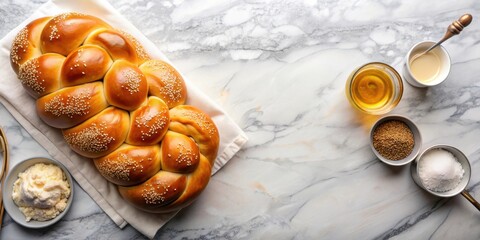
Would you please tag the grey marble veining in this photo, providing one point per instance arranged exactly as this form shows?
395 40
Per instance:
279 69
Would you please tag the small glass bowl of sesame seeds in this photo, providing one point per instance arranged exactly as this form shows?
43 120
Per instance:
395 140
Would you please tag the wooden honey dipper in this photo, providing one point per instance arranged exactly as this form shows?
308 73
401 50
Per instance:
453 29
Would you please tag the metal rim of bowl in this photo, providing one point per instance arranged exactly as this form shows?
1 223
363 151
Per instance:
416 135
7 198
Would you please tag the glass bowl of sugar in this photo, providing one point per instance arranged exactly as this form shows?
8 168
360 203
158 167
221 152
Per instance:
443 171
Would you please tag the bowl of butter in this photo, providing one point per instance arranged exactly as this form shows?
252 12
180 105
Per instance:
38 192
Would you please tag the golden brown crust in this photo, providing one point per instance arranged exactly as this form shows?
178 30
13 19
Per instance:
192 122
86 64
149 123
157 192
167 191
130 165
66 32
165 82
40 76
116 44
70 106
125 86
197 182
99 135
142 54
179 153
118 106
26 44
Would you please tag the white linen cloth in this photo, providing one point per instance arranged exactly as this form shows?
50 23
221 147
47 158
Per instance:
105 194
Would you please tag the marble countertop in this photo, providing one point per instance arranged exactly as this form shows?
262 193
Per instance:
279 69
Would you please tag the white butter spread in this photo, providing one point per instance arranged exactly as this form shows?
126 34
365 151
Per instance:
41 192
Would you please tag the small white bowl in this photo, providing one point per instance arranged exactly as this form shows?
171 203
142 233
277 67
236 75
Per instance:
445 65
12 208
416 135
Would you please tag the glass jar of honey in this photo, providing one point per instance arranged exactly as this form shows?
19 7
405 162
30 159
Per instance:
374 88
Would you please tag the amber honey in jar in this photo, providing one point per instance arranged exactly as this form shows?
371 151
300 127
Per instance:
374 88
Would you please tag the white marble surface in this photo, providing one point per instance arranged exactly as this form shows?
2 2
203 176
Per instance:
279 69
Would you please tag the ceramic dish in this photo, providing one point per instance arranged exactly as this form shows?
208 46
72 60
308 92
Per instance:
461 158
416 135
444 65
12 208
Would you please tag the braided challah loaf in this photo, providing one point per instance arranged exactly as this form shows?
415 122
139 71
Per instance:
119 107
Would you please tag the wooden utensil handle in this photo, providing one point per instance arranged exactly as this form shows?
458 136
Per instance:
471 199
458 25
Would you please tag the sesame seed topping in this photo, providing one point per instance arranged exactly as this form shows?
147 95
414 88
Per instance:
119 167
141 53
202 121
173 85
29 76
132 85
185 155
20 44
73 105
156 193
153 121
54 32
93 139
57 20
64 16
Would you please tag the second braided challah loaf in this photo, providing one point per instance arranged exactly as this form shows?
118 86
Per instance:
118 107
